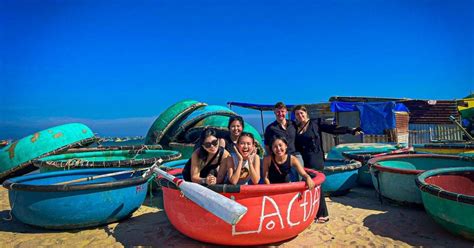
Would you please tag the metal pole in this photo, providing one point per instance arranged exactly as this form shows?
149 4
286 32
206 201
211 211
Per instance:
468 135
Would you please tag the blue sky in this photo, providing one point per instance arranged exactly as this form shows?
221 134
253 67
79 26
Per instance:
115 65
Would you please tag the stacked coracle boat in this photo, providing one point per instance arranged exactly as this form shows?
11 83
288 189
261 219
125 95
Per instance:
179 126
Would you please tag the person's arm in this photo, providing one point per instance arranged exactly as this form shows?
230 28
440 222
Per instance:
266 165
254 167
335 129
223 168
235 175
195 169
299 168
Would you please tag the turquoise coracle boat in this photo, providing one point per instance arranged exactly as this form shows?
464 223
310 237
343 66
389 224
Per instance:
39 200
394 176
17 158
341 176
448 197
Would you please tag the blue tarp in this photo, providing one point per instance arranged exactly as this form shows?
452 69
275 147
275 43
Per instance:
375 117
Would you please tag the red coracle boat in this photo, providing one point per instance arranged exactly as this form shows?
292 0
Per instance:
276 212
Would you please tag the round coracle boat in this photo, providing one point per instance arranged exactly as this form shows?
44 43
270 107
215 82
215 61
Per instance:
105 159
168 118
47 200
17 158
444 148
394 176
276 212
341 176
364 177
448 197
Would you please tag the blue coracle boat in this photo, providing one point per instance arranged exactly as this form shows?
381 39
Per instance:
341 176
38 200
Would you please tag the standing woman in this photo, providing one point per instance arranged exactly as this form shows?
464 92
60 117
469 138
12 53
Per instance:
277 165
308 143
207 160
244 164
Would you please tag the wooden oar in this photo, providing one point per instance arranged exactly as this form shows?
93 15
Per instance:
226 209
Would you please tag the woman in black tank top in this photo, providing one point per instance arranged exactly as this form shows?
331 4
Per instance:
207 165
276 167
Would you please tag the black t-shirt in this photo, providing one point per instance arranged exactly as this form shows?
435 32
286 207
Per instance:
275 128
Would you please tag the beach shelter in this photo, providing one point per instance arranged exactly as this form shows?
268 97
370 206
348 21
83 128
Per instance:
389 119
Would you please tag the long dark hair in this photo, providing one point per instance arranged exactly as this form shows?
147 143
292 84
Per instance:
202 154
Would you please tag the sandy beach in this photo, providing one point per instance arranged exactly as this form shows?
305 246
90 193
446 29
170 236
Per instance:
356 219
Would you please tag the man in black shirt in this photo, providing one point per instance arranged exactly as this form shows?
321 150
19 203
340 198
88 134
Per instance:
281 126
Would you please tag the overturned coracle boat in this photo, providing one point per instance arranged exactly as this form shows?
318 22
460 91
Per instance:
17 158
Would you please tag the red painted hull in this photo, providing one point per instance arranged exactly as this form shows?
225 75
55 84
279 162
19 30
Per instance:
276 212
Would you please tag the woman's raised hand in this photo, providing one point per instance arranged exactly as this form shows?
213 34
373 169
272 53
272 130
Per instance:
239 156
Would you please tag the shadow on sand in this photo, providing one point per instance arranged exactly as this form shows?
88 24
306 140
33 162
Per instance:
414 227
13 225
408 223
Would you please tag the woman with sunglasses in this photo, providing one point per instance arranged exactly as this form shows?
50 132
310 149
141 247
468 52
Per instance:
308 143
244 164
206 161
277 166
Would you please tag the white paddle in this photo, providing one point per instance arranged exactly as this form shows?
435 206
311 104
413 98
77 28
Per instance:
226 209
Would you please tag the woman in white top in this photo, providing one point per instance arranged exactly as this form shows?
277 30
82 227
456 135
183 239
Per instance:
244 165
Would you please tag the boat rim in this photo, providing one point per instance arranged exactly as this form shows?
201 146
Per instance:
347 165
78 163
278 188
12 184
374 162
437 191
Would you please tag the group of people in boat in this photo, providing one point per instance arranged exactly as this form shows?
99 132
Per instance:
290 147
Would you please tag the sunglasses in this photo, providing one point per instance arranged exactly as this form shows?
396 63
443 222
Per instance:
209 144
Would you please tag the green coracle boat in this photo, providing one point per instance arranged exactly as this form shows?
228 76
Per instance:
17 158
168 118
186 149
394 176
105 159
448 197
196 116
